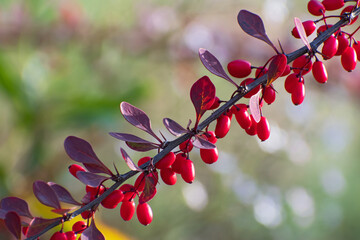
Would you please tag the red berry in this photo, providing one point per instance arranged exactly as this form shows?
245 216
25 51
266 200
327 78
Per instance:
113 199
87 214
95 191
209 156
143 160
356 46
269 94
168 176
298 93
253 128
263 129
286 71
260 72
127 210
186 146
252 92
302 64
316 8
74 168
319 72
222 126
343 44
24 230
348 59
177 165
58 236
309 27
242 115
188 171
331 5
140 182
71 235
144 213
348 9
330 47
79 226
129 192
211 137
239 68
166 161
290 81
216 104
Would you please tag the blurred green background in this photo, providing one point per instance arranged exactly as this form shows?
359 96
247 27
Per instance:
65 66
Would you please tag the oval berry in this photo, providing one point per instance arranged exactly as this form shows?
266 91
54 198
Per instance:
263 129
348 9
177 165
343 44
143 160
127 210
71 235
211 137
209 156
75 168
356 46
113 199
330 47
188 171
348 59
253 128
319 72
58 236
140 182
242 115
286 71
168 176
252 92
298 94
87 214
222 126
79 226
129 192
309 27
95 191
302 64
144 213
316 8
290 81
269 94
166 161
331 5
239 68
186 146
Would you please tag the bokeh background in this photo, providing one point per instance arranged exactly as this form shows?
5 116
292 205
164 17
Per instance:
65 65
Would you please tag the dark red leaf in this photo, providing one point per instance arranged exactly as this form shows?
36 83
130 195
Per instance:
300 28
16 205
137 118
202 143
91 179
213 65
13 223
254 26
149 190
173 127
39 224
141 147
276 68
254 106
202 95
129 138
80 150
62 211
45 194
129 161
63 194
92 233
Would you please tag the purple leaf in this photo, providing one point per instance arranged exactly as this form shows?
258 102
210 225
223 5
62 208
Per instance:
277 67
62 211
254 26
128 138
202 143
2 214
254 107
213 65
129 161
45 194
91 179
80 150
141 147
137 118
202 95
63 194
13 223
92 233
150 189
300 28
39 224
173 127
16 205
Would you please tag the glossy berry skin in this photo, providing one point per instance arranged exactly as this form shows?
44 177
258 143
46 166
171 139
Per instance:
309 27
222 126
211 137
302 64
74 168
356 47
290 82
186 146
188 171
269 94
216 104
330 47
260 72
319 72
87 214
252 92
263 129
127 210
242 115
95 191
348 59
343 44
286 71
79 226
129 192
168 176
140 182
331 5
71 235
316 8
143 160
239 68
113 199
176 166
209 156
298 93
166 161
252 130
323 28
58 236
144 213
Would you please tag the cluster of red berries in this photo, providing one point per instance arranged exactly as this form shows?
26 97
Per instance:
77 228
